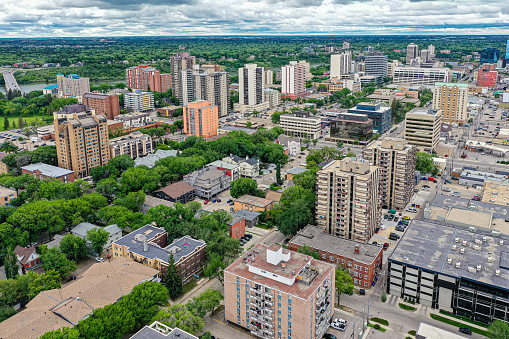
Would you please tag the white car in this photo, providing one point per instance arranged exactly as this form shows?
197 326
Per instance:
339 321
99 259
338 326
412 210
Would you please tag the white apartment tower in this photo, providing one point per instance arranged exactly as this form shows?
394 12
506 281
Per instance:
293 82
431 50
340 64
412 53
251 80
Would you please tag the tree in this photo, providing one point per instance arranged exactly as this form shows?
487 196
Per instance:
249 124
108 187
279 180
350 155
375 136
121 216
424 164
144 301
356 142
102 172
293 218
139 179
62 333
315 141
98 237
6 123
215 268
308 251
46 281
276 117
53 259
172 279
133 201
206 302
244 186
121 163
179 316
74 247
498 330
112 321
179 124
6 312
11 264
322 88
344 283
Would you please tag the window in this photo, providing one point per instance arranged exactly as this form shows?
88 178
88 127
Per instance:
355 281
324 256
356 267
365 284
366 269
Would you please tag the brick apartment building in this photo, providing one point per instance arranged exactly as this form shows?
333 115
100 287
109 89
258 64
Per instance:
278 293
363 261
487 78
146 78
150 246
6 195
237 227
201 119
105 104
45 171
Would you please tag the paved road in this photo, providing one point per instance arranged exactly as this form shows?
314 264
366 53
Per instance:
10 82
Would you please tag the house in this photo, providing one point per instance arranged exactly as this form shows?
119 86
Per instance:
251 203
252 218
45 171
231 170
237 227
151 246
82 229
248 167
293 171
28 258
291 145
178 192
273 195
102 284
157 330
150 159
208 182
6 195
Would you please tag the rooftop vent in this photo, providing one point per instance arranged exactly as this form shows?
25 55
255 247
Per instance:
458 264
456 240
472 270
477 248
478 241
501 242
464 243
484 238
497 273
449 261
454 247
479 267
462 250
490 258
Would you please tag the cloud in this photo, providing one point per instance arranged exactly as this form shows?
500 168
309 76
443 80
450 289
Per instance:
33 18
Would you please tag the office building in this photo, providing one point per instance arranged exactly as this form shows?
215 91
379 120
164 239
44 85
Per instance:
269 77
348 127
151 246
105 104
44 171
452 100
139 101
301 124
422 128
396 160
376 64
72 85
420 76
489 55
272 96
181 61
431 50
200 119
348 199
147 78
251 85
278 293
364 261
459 270
293 84
208 182
82 142
391 66
135 144
487 78
412 53
340 64
381 115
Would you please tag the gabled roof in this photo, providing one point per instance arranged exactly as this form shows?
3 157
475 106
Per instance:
177 189
24 253
273 195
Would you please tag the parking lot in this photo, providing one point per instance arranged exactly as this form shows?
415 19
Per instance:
25 143
212 206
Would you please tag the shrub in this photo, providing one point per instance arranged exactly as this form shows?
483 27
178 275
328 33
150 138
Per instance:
384 297
412 332
380 321
376 327
406 307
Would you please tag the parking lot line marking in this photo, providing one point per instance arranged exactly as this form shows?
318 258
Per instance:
233 328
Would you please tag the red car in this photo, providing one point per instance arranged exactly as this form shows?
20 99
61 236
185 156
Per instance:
206 202
386 246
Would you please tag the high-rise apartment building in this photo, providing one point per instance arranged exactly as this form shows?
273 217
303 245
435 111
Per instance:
487 78
278 293
82 142
139 101
376 64
490 55
422 128
181 61
251 85
340 64
105 104
396 160
452 100
425 55
346 45
145 77
269 77
293 84
200 119
348 199
72 85
420 76
431 50
306 64
412 53
272 96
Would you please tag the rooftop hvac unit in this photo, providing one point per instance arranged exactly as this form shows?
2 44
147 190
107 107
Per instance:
497 273
501 242
478 241
477 248
490 258
472 270
456 240
464 243
462 250
479 267
484 238
449 261
458 264
454 247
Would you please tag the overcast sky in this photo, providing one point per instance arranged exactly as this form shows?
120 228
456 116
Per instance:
83 18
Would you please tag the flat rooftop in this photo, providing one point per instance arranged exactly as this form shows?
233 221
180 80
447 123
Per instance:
429 245
180 248
314 237
48 170
255 201
297 264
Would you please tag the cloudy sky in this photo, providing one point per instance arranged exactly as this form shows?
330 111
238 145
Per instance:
82 18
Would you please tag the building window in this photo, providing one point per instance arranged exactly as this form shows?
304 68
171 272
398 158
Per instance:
355 281
324 256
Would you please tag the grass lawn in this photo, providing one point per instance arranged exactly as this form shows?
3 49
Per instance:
406 307
377 327
458 324
265 226
15 119
380 321
188 287
478 323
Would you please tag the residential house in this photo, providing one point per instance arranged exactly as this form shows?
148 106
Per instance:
273 195
27 257
151 202
294 171
208 182
157 330
81 230
150 159
254 204
249 167
251 218
231 170
178 192
291 145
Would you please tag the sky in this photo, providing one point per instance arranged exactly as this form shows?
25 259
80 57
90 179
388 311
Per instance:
102 18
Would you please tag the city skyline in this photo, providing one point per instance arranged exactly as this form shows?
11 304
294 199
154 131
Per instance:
64 18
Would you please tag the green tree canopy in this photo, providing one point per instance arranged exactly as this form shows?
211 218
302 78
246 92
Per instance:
98 237
74 247
344 283
172 279
53 259
244 186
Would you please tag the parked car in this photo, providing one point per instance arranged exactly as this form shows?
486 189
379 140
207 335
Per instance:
206 202
405 217
286 241
395 235
412 209
476 198
391 217
446 189
465 330
400 228
396 218
99 259
339 321
386 216
386 246
218 200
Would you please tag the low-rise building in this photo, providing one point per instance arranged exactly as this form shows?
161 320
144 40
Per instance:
231 170
294 171
291 145
81 230
136 119
249 167
225 129
151 246
301 124
363 261
156 330
178 138
139 101
208 182
4 169
251 218
135 144
349 127
272 96
27 258
6 195
381 115
237 227
168 110
422 128
150 159
270 291
254 204
45 171
178 192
